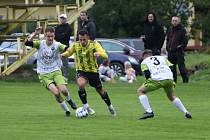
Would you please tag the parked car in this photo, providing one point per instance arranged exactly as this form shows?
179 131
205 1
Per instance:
115 46
116 62
136 43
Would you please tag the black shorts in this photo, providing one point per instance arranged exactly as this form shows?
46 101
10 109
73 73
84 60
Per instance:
92 77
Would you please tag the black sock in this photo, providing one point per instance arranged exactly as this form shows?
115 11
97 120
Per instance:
106 99
82 95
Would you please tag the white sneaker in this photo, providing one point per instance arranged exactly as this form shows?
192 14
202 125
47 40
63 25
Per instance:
112 110
90 111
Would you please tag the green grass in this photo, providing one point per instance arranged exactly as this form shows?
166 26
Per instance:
29 112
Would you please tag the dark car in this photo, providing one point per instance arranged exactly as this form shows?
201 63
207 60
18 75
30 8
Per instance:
136 43
116 62
115 46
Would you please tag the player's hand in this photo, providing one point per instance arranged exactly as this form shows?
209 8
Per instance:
96 54
38 30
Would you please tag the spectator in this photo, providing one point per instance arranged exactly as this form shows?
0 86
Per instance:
130 73
153 34
175 45
106 73
87 24
62 34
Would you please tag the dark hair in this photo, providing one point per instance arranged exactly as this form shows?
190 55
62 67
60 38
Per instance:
83 32
147 51
84 12
49 29
154 15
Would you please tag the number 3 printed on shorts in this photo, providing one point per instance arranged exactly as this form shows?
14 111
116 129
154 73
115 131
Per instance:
156 62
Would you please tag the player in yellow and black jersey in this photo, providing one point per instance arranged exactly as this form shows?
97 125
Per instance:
85 53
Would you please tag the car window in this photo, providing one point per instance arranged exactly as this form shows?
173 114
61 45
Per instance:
110 46
126 42
139 45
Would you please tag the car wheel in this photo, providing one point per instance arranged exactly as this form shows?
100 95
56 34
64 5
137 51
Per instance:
117 67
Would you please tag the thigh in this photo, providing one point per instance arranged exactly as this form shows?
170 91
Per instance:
58 78
151 85
94 80
167 86
46 79
81 79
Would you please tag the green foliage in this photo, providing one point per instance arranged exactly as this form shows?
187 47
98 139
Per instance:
122 18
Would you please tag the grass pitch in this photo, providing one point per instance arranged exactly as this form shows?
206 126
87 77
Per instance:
29 112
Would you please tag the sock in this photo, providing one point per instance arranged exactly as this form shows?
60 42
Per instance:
145 103
86 105
68 98
82 95
64 106
178 103
106 99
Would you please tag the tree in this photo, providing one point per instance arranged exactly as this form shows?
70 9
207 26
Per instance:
121 18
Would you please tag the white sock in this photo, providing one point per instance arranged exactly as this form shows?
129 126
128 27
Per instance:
145 103
64 106
111 106
86 105
178 103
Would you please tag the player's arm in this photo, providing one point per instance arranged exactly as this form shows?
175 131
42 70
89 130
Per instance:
62 47
69 52
100 51
30 42
145 71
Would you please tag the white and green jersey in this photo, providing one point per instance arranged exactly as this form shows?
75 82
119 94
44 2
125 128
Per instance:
158 67
48 57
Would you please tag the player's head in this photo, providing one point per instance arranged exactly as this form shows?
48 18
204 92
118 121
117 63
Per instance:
83 37
49 35
146 53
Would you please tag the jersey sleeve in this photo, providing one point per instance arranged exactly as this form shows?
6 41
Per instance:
168 63
70 51
62 47
144 67
36 44
101 51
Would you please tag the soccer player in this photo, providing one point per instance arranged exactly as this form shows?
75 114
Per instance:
85 53
49 66
158 74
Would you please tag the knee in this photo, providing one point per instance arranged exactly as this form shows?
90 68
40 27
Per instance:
63 90
140 91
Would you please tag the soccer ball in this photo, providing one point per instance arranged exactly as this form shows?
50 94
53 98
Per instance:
81 112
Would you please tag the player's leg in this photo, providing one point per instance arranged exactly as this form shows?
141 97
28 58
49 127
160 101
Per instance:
54 90
104 95
81 82
46 80
148 86
175 100
95 82
61 84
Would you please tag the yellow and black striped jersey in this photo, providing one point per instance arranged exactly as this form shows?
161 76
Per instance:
84 56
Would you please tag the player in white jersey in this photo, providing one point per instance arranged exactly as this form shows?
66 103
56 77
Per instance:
49 66
158 74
